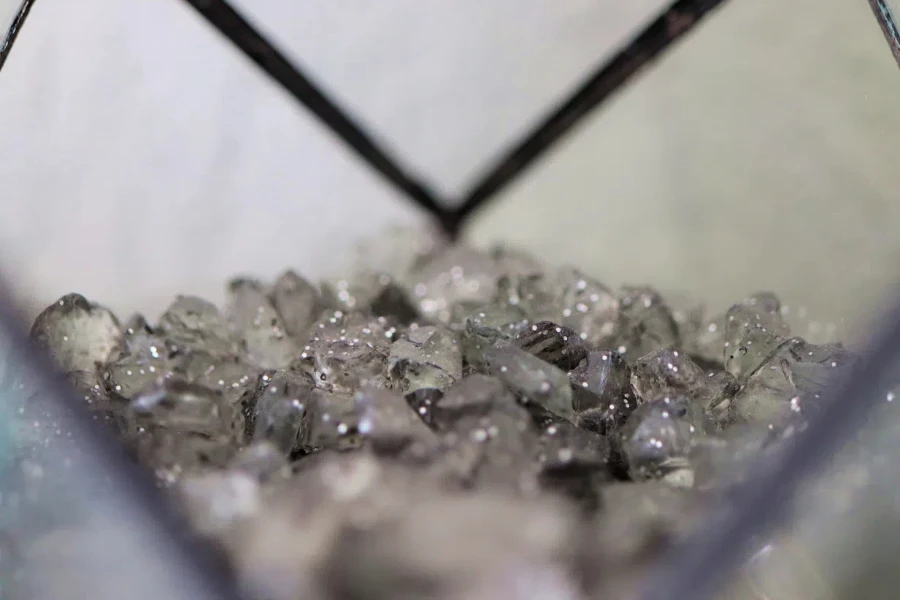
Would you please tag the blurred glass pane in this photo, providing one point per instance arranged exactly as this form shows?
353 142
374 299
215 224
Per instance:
845 535
71 524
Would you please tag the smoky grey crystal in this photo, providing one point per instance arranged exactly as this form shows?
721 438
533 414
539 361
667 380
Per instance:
602 395
656 440
555 344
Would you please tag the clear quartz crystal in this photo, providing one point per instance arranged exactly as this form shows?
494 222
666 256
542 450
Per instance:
256 322
649 324
141 359
391 427
182 427
753 330
230 375
532 379
789 384
193 323
486 326
347 351
589 308
77 334
459 279
671 372
425 357
656 440
297 303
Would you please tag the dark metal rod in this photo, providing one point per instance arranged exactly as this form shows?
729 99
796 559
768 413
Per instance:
14 29
885 18
261 51
652 42
704 562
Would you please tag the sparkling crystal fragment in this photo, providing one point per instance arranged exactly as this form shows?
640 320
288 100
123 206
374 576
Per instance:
180 427
656 439
282 411
589 308
257 323
77 334
532 379
297 303
486 326
649 324
753 330
425 357
141 359
191 323
602 396
557 345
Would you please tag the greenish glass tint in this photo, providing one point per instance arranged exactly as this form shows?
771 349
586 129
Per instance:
76 521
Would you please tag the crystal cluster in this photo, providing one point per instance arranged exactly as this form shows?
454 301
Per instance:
452 424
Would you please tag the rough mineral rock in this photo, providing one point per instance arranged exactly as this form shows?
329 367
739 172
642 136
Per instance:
77 334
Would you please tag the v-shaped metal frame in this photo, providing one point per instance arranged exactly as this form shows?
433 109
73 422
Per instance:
670 25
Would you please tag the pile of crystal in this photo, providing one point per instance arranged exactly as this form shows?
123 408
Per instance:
456 424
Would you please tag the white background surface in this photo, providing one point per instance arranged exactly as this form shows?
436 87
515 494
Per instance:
141 156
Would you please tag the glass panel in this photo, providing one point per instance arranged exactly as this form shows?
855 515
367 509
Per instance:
73 523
